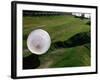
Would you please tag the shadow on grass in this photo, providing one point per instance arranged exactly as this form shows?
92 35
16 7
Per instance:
31 62
88 23
76 40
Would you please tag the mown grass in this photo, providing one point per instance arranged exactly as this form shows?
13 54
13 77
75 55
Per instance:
73 57
60 28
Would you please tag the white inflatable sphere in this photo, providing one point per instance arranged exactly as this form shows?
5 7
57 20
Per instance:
38 41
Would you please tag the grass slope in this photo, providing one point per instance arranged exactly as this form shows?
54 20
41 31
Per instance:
70 57
60 28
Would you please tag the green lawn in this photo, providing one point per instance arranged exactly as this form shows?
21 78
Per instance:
60 28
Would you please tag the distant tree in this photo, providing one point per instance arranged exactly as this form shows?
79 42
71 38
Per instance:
82 16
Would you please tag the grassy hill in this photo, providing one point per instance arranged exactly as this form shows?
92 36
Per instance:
60 28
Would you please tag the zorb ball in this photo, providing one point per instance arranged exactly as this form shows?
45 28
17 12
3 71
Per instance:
38 41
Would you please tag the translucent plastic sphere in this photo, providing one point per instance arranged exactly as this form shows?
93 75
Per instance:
38 41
